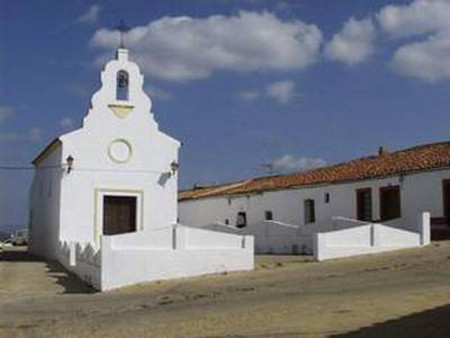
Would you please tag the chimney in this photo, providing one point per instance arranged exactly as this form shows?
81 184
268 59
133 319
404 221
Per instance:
383 151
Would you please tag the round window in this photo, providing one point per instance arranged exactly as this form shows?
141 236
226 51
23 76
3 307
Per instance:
120 151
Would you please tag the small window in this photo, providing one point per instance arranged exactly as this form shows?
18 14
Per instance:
327 198
122 86
390 206
241 221
269 215
310 212
364 204
227 221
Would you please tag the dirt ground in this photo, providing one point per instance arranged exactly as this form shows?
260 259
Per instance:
397 294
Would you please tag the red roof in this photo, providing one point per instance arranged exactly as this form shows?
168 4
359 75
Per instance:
419 158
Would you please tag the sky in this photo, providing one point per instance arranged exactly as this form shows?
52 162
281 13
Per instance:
241 83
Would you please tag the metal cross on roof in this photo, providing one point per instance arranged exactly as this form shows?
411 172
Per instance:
123 30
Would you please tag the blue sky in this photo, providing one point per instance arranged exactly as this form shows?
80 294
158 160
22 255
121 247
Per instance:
240 83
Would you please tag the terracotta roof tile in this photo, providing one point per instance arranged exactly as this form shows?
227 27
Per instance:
419 158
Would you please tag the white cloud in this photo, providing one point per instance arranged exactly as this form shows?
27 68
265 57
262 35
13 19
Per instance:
186 48
427 60
157 93
249 95
32 135
66 122
5 112
91 15
292 163
354 43
418 17
282 91
427 57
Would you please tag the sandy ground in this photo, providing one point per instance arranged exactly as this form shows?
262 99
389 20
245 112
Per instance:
398 294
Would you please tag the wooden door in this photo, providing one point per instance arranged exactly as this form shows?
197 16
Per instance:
390 204
446 200
364 204
119 214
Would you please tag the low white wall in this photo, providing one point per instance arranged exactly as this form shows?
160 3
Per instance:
192 252
370 238
83 260
272 237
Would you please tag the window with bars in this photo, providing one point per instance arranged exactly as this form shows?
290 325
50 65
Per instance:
310 212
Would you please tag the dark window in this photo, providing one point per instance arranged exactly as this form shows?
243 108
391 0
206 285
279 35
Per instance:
327 197
227 221
310 212
390 203
269 215
119 214
364 204
446 201
241 220
122 86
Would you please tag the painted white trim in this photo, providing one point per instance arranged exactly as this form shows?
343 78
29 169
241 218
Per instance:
101 192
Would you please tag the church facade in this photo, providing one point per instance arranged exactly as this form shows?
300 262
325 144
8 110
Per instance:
103 200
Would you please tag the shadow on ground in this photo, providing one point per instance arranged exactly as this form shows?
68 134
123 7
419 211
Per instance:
71 283
430 323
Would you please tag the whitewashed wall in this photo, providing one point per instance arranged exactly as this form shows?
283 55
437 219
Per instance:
74 211
94 172
273 237
370 238
419 192
44 206
172 253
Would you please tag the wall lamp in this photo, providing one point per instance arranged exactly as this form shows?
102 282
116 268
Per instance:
69 163
174 167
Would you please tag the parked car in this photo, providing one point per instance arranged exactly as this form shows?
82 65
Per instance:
20 237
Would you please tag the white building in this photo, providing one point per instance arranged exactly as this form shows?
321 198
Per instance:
104 197
284 213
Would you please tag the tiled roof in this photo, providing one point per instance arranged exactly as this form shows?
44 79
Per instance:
419 158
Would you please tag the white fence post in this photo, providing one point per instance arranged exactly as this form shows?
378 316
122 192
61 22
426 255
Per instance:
178 238
424 228
72 254
372 235
319 243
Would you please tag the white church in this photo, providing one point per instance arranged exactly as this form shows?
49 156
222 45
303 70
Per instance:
103 200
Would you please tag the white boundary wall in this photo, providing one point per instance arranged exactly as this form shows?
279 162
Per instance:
272 237
370 238
169 252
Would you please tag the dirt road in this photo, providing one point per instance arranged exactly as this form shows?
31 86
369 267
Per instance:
398 294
